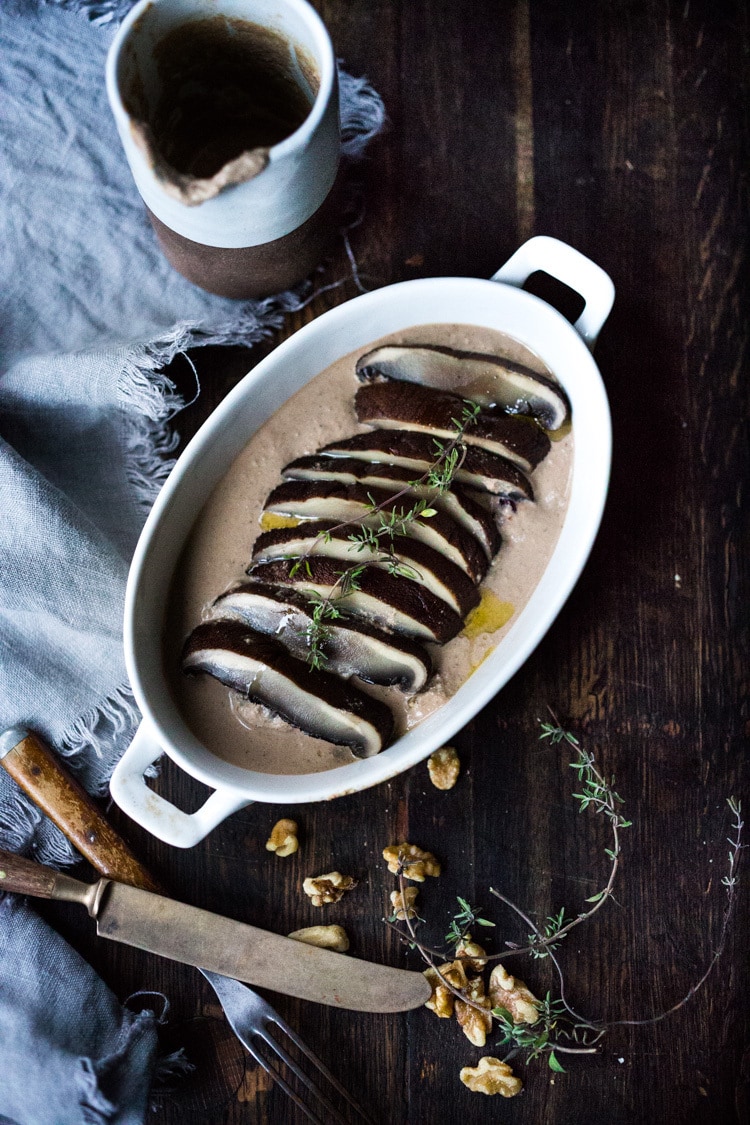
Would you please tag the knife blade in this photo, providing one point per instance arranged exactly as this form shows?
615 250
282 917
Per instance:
197 937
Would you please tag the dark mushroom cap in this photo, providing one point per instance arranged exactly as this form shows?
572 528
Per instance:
315 702
482 377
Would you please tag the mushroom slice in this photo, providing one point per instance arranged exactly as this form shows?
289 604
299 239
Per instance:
349 648
347 503
397 605
454 501
480 469
419 562
316 702
408 406
486 379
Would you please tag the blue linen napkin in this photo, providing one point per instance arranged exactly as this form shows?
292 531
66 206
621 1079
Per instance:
90 313
72 1055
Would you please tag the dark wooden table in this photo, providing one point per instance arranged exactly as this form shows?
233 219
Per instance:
621 128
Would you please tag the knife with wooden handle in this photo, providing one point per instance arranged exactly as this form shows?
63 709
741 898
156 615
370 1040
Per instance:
57 793
232 949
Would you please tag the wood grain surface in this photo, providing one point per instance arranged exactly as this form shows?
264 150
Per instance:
620 127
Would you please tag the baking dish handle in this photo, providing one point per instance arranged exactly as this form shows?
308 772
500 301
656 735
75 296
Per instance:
162 819
573 269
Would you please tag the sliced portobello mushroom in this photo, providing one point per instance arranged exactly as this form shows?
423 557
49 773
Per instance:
397 605
395 405
454 501
329 500
421 563
315 702
484 378
480 469
349 648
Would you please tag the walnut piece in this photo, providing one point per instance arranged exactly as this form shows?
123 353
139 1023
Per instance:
442 1000
444 766
413 862
283 839
470 951
512 994
475 1024
403 905
325 937
490 1076
323 889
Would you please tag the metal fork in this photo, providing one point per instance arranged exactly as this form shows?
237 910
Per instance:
252 1021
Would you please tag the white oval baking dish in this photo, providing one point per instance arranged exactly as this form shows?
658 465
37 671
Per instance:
498 303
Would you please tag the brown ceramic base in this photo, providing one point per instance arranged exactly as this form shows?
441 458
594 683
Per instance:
254 271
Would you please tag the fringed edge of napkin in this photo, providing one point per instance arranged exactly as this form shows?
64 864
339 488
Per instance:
94 741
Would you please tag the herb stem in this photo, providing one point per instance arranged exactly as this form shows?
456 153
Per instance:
438 477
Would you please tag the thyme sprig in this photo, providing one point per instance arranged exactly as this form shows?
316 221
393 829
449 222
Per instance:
378 538
463 921
560 1029
546 1035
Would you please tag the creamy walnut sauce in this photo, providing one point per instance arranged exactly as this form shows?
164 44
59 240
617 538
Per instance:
220 546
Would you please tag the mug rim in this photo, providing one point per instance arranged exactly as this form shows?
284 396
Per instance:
549 329
302 134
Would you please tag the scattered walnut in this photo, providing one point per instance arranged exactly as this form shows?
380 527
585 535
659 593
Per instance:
444 766
412 861
442 1000
283 839
475 1024
325 937
403 905
513 995
490 1076
323 889
472 953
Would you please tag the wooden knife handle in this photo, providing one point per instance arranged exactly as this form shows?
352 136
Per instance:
41 776
25 877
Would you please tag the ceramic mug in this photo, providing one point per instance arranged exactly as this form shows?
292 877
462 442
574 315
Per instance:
259 213
499 303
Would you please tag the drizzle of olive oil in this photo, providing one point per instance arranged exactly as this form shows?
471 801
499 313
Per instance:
489 616
269 521
562 432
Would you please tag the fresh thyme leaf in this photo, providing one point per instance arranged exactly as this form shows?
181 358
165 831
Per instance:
392 521
463 920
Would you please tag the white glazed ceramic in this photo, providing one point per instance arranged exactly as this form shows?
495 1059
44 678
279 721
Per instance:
301 169
498 303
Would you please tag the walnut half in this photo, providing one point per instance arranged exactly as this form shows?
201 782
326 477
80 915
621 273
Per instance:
490 1076
444 767
412 862
325 937
283 839
513 995
476 1025
403 904
470 951
442 1000
324 889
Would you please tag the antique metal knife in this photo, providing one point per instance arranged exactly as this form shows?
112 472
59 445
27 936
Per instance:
232 949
